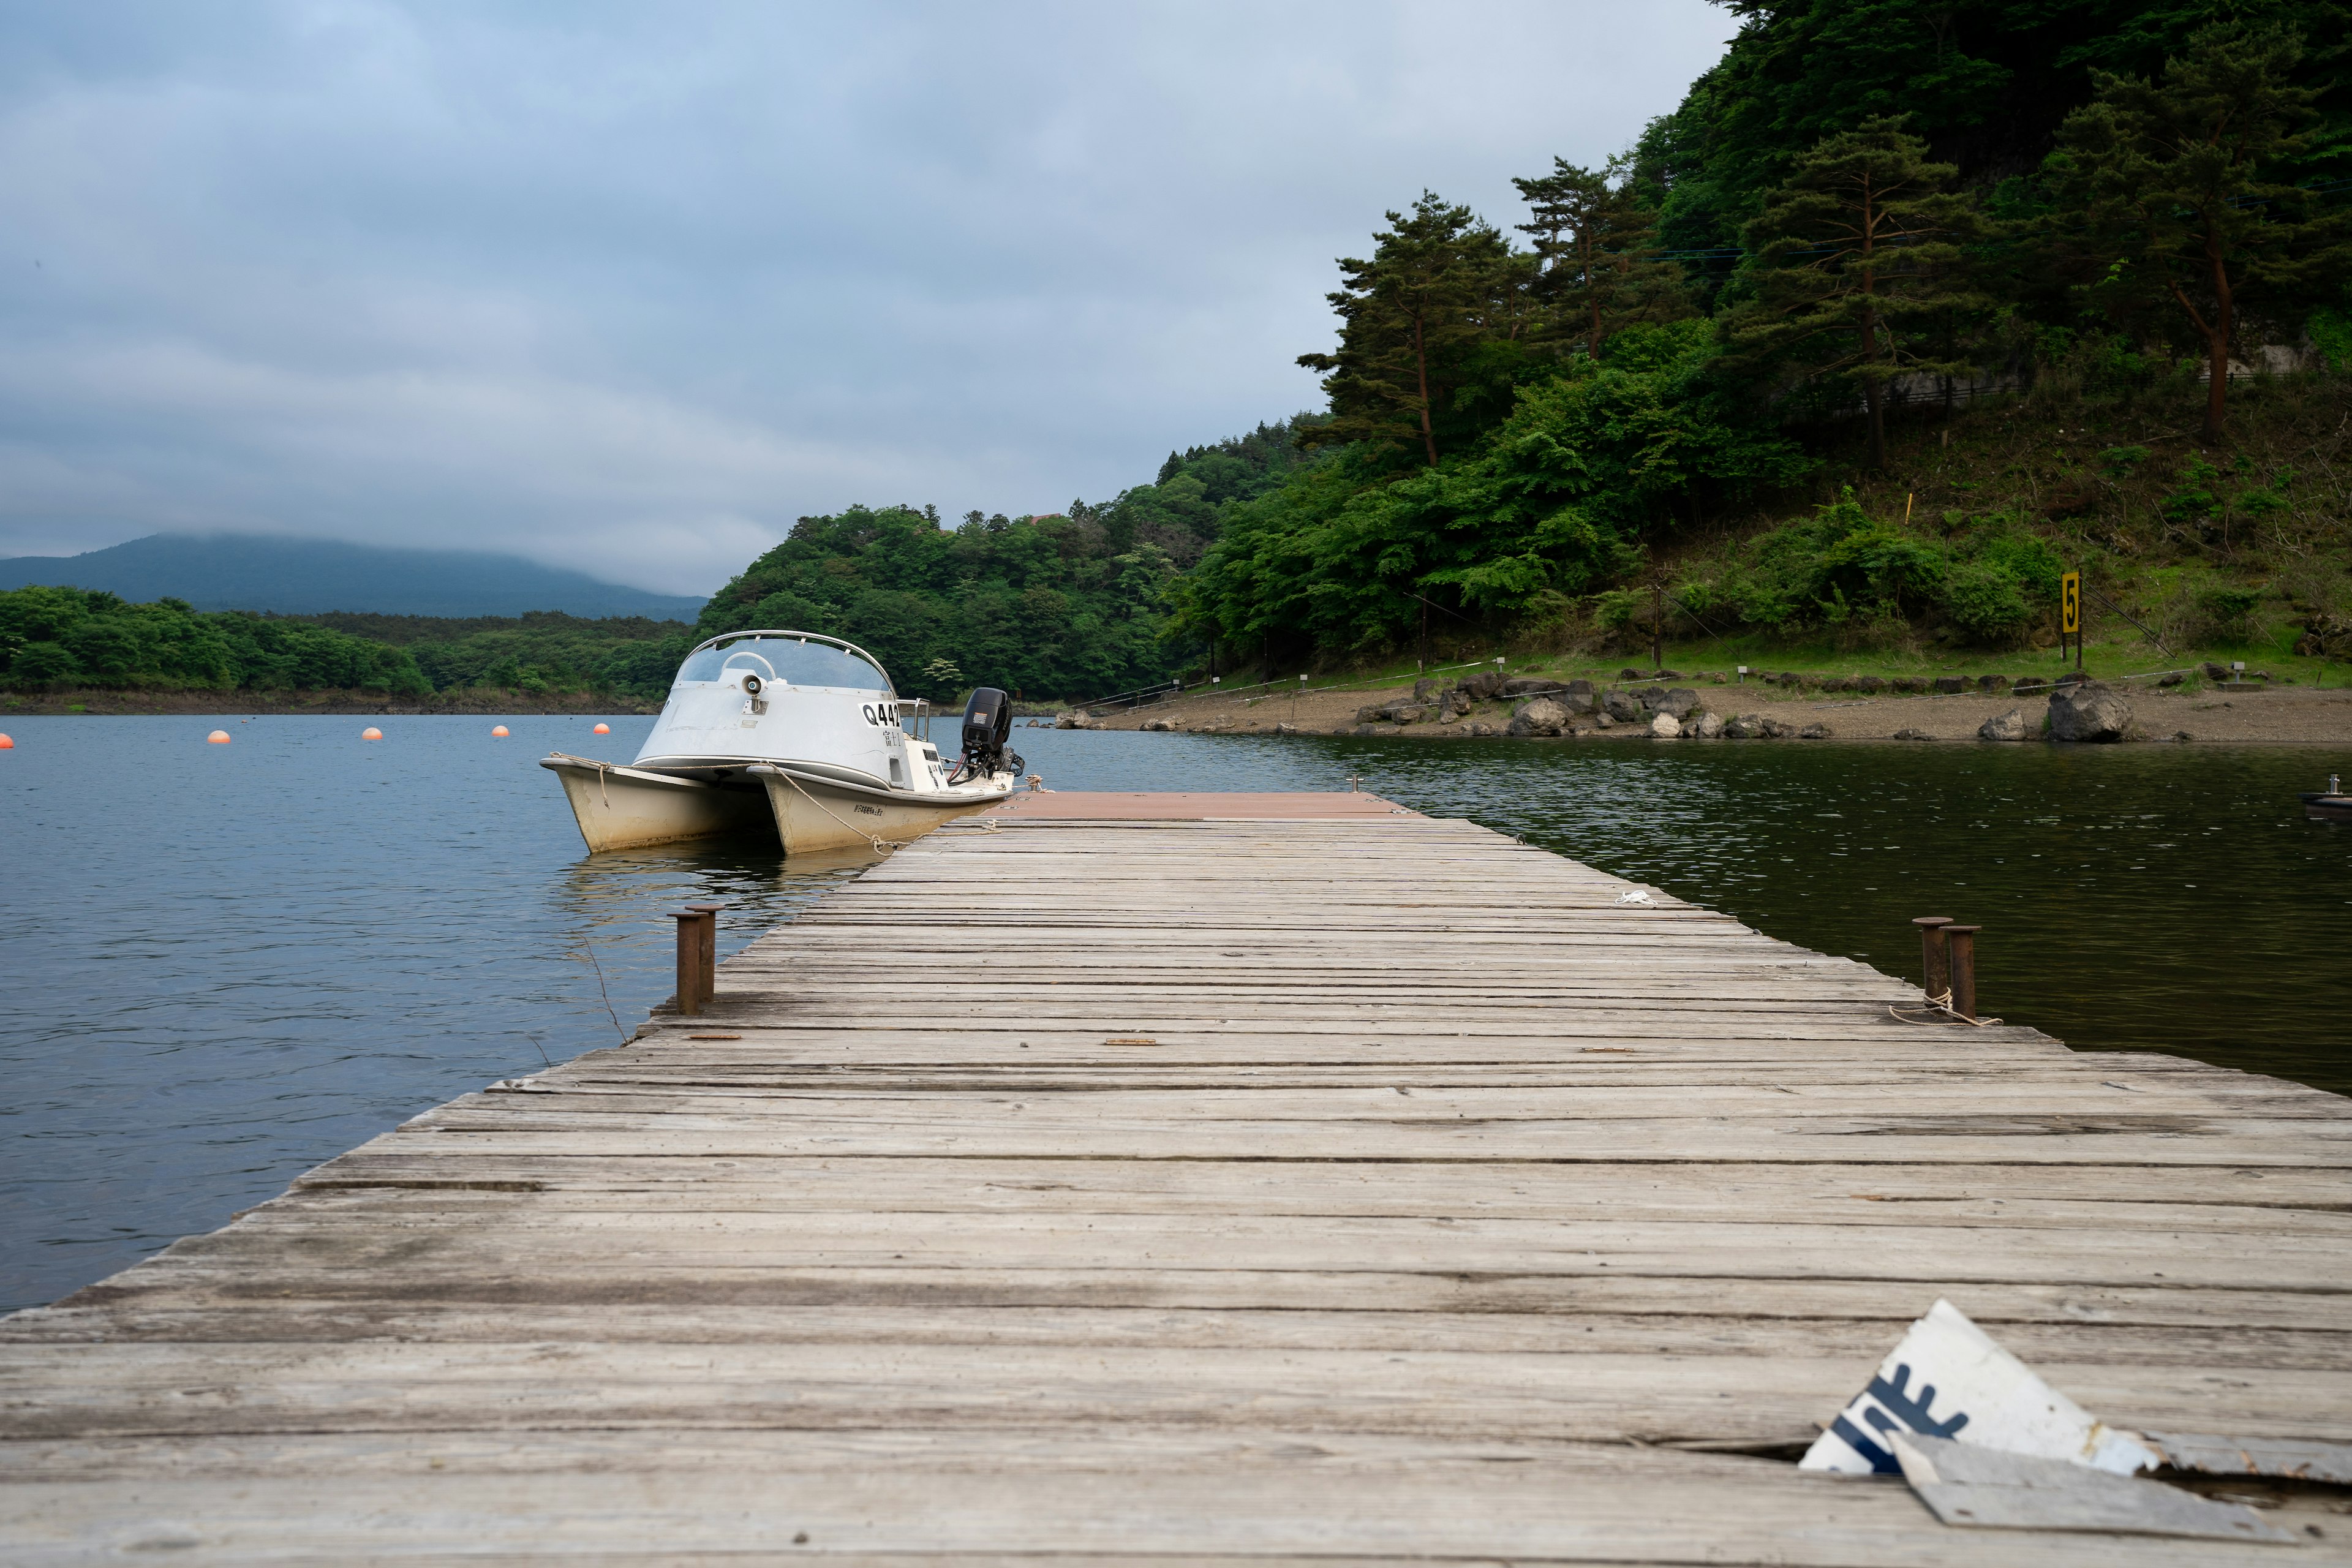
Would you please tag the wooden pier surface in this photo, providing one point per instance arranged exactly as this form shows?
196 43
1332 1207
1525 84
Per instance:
1362 1189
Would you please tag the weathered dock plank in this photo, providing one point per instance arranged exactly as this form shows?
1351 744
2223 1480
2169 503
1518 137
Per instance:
1251 1186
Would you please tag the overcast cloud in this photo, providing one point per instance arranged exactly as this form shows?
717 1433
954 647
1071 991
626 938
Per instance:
630 287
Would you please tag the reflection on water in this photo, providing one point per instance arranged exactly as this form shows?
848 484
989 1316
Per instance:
224 964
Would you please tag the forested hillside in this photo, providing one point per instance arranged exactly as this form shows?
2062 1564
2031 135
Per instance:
1646 395
73 637
1069 604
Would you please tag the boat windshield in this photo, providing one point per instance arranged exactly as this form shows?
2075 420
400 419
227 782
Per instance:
790 660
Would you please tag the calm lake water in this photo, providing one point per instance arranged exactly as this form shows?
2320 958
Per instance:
224 964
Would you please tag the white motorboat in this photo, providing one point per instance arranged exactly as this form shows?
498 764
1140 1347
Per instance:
795 732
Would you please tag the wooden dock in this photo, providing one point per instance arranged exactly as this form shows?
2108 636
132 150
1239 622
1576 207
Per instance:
1112 1183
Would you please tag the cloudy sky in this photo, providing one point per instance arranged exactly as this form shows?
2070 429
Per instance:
629 287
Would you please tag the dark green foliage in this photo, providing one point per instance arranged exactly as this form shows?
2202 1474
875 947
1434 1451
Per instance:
1346 556
1184 509
1597 251
71 636
2179 211
1843 570
1860 190
544 651
1985 82
1044 606
1432 335
1859 270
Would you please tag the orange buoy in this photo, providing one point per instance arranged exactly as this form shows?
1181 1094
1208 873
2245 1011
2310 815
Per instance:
370 734
218 737
6 744
498 729
604 728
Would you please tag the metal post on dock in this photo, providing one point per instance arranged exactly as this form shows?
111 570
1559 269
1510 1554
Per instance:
698 956
1935 955
1960 942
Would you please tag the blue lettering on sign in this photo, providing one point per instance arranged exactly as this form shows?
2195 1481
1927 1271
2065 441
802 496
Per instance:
1895 1409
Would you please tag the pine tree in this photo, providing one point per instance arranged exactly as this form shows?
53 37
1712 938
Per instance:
2170 191
1597 247
1859 268
1438 284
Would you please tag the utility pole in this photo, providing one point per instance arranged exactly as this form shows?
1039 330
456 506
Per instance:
1424 634
1658 624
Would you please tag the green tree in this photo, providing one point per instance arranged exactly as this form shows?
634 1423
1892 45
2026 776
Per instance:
1441 285
1859 267
1596 249
2173 188
1344 555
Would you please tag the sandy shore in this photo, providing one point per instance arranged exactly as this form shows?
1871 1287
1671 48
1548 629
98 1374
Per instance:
2284 716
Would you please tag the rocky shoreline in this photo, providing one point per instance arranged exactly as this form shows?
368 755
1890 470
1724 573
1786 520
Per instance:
2178 707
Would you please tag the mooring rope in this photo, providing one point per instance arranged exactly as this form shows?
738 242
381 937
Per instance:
601 793
1941 1004
881 846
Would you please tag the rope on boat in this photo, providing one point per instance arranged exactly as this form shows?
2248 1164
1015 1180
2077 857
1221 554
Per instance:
881 846
603 793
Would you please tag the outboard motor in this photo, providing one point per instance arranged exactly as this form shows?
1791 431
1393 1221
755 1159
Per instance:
987 724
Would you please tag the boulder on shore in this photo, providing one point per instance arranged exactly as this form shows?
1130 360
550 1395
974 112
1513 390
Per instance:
1623 706
1678 702
1747 727
2088 711
1814 732
1537 716
1667 727
1702 726
1485 683
2010 726
1778 729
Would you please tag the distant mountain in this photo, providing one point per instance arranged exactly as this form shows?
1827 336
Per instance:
308 576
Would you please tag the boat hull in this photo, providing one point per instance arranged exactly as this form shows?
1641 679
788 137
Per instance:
813 813
625 808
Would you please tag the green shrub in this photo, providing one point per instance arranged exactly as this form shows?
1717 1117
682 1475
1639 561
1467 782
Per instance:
2331 331
2227 613
1985 600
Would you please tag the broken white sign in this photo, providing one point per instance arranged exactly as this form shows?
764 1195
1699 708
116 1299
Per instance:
1947 1379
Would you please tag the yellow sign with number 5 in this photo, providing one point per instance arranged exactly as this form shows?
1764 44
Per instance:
2070 603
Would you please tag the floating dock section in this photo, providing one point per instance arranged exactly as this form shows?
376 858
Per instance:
1116 1179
